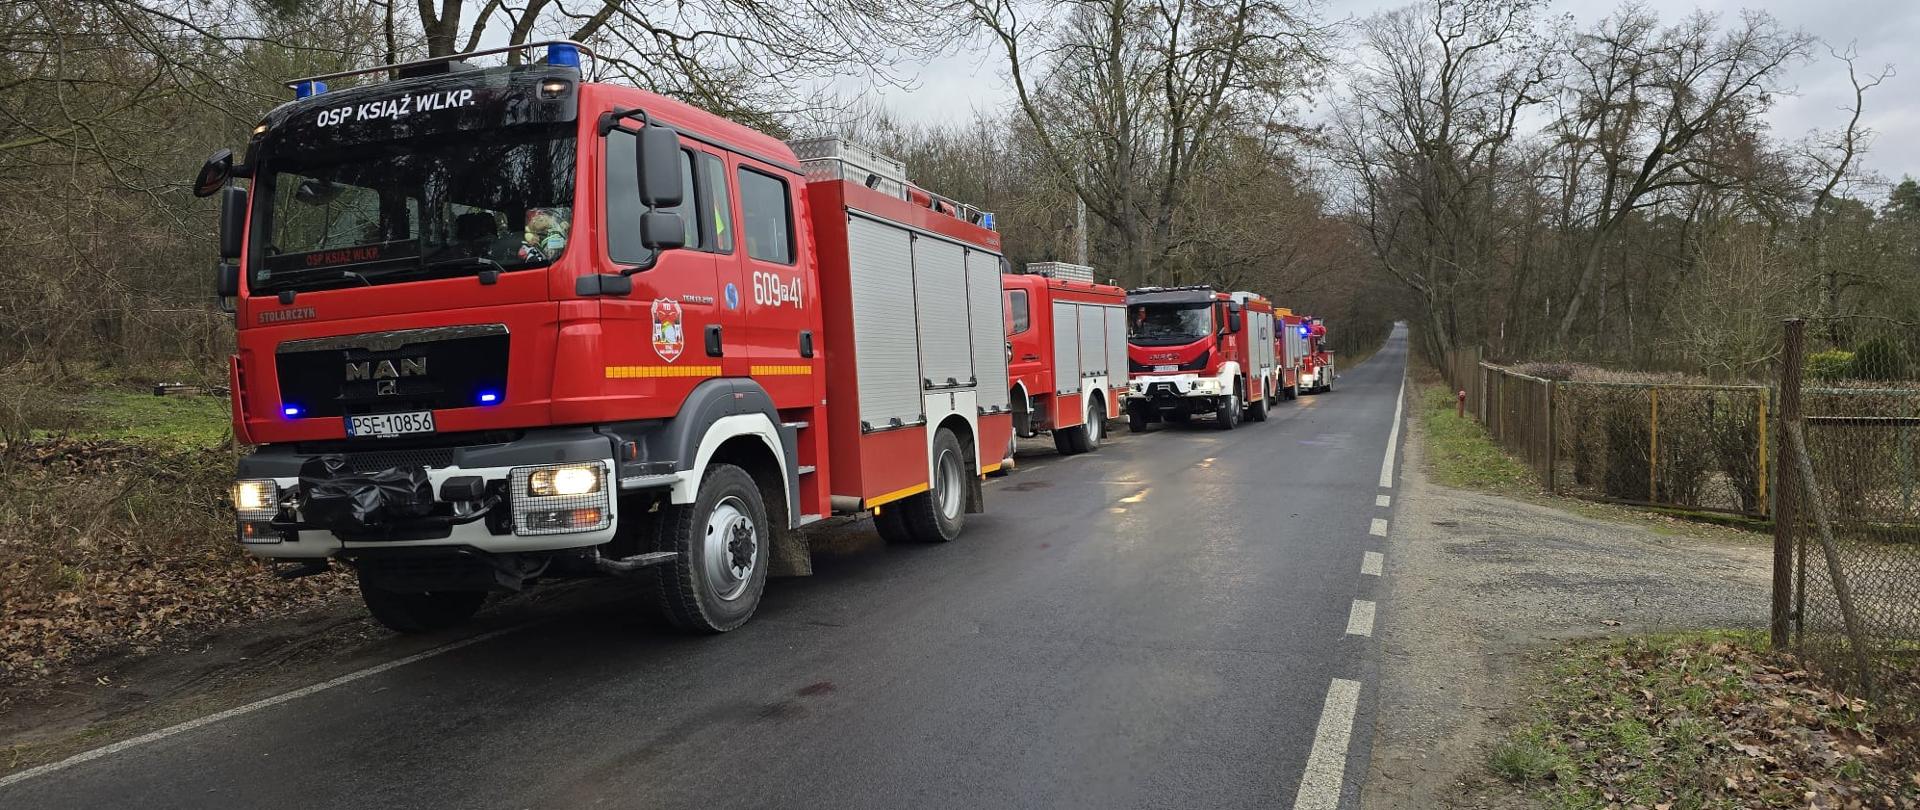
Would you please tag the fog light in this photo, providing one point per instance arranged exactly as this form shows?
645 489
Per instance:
563 481
253 531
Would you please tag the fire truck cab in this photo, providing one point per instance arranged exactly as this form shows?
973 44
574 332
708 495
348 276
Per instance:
497 325
1185 355
1067 352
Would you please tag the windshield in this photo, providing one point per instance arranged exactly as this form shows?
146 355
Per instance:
415 208
1169 324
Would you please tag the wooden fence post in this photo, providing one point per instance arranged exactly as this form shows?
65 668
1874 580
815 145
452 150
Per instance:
1792 355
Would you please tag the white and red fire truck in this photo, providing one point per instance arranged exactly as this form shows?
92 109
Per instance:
1067 354
1316 364
1289 350
502 324
1188 352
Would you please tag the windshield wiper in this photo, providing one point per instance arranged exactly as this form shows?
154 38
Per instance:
452 262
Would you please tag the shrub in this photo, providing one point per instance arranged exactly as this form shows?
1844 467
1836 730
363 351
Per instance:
1833 364
1880 359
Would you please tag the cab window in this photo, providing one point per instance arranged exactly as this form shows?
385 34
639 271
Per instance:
766 216
623 201
1017 313
718 204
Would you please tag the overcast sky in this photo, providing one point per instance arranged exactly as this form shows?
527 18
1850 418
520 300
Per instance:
1884 31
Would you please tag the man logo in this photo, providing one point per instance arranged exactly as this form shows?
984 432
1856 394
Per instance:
386 369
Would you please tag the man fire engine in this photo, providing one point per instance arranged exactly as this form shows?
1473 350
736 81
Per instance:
1067 350
1186 350
502 324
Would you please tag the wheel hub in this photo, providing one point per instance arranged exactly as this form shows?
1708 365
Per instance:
732 549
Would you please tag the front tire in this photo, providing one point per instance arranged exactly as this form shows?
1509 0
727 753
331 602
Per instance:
420 611
1136 420
1227 415
938 515
715 584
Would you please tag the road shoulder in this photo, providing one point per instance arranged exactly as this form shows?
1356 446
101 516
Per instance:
1478 585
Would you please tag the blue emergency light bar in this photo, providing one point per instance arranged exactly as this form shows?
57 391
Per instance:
309 89
563 54
560 53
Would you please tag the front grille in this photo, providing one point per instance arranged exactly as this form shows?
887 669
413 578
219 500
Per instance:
432 458
394 372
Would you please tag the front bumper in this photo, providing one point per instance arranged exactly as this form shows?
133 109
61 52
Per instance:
1174 392
292 535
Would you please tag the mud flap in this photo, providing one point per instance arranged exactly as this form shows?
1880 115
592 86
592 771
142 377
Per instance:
792 554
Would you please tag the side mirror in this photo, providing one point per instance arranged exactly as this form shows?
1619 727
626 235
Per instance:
662 230
233 221
226 280
657 156
1234 318
214 174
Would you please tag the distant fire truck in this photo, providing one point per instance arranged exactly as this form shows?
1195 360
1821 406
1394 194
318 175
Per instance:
1067 361
1316 367
496 325
1189 354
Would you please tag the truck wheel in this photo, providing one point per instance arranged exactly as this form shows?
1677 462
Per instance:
1096 427
419 611
1290 391
722 536
937 515
1227 414
1328 387
890 521
1257 411
1136 420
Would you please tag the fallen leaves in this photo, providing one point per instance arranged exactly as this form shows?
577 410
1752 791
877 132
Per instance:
1709 720
108 547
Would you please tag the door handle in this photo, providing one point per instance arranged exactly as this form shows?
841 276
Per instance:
713 340
1029 357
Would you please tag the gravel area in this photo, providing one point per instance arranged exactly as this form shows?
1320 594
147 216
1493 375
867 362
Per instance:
1478 584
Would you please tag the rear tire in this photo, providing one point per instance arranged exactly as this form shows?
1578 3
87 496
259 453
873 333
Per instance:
722 537
890 522
1096 427
1257 411
420 611
1136 420
938 515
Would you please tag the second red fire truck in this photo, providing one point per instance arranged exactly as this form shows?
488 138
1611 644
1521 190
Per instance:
497 325
1067 354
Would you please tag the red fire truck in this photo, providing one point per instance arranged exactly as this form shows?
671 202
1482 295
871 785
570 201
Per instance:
502 324
1290 350
1185 355
1316 367
1067 352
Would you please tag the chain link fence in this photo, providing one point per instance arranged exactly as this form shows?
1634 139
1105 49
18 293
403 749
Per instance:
1847 550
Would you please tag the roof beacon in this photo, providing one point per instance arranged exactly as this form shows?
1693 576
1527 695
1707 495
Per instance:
308 89
563 54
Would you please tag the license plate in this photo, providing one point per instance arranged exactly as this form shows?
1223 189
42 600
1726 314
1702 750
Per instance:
1160 369
390 424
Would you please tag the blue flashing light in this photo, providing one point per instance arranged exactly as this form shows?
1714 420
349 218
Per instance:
563 55
986 220
291 411
309 89
1304 331
489 397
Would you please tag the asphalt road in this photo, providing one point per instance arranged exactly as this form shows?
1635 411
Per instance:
1152 625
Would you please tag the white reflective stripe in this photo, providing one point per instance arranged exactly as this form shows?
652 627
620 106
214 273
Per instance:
687 489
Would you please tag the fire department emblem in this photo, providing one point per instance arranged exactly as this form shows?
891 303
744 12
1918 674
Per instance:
669 334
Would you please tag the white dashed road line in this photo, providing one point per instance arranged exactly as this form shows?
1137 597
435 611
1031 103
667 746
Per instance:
1379 528
1393 437
1371 564
1326 770
263 703
1360 620
1383 500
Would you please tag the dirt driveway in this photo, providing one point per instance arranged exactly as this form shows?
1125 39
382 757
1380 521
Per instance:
1480 584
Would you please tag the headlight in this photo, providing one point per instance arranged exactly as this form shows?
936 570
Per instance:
561 481
560 498
1207 386
256 496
